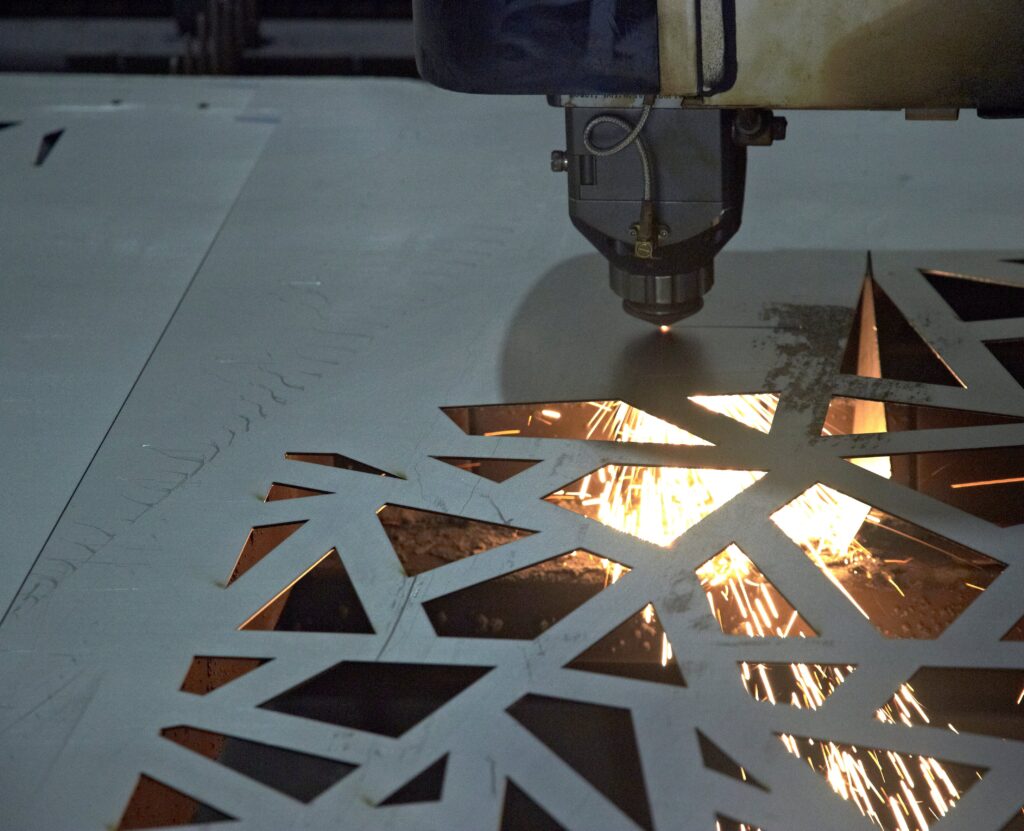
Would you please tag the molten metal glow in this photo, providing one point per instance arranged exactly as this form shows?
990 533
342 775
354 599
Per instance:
895 791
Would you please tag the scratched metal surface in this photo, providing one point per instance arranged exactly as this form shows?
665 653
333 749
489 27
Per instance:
98 244
343 303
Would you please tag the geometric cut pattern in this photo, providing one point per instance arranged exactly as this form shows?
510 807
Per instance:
425 540
636 648
298 775
497 470
597 742
852 416
745 602
907 581
718 760
322 599
207 673
521 813
613 421
655 504
899 792
884 344
426 786
440 665
156 805
383 698
974 299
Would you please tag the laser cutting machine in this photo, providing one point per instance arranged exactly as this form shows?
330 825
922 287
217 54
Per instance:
662 98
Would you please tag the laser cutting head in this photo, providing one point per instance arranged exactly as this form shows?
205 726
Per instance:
663 97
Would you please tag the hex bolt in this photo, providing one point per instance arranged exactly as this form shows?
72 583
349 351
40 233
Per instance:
559 161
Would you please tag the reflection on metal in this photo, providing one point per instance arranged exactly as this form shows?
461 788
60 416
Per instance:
518 665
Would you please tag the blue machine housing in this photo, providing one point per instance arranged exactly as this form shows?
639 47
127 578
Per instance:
539 47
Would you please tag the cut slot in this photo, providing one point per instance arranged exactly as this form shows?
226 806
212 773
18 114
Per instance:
521 813
1010 353
425 540
156 805
597 742
497 470
207 673
754 410
804 686
745 602
897 792
523 604
426 786
970 700
716 759
280 491
858 416
4 125
987 483
383 698
614 421
637 648
322 599
907 581
655 504
883 344
261 541
46 145
1016 633
977 299
338 461
723 823
298 775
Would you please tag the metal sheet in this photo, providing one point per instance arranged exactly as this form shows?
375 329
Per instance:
338 310
99 243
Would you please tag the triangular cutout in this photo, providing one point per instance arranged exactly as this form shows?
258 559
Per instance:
497 470
718 760
1015 824
595 740
1010 353
754 410
376 696
261 541
891 570
988 483
636 648
301 776
860 416
426 786
338 461
1016 633
804 686
425 540
279 491
886 780
976 299
521 813
883 344
524 603
207 673
156 805
745 602
655 504
615 421
46 145
724 823
321 599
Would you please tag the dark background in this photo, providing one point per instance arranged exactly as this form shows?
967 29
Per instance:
293 37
